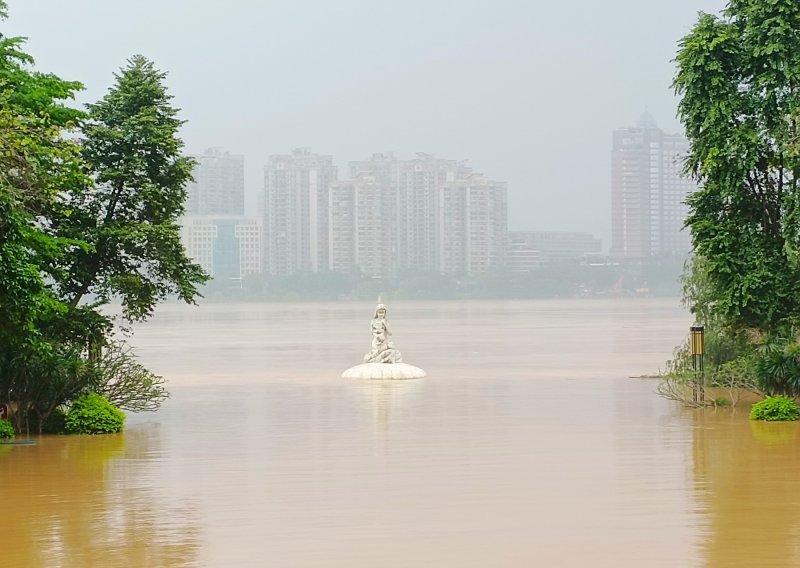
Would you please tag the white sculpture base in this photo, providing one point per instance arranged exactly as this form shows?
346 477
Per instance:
384 371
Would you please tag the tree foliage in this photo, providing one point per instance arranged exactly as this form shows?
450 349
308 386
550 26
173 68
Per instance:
37 161
739 85
88 205
130 216
739 82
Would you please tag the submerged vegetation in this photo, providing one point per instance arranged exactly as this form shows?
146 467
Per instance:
88 207
738 77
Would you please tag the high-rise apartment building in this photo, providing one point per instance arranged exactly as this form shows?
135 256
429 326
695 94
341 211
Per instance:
218 186
420 186
363 226
384 168
226 247
648 192
438 214
472 225
295 211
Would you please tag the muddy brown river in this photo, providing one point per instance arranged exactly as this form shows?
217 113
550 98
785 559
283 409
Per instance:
528 444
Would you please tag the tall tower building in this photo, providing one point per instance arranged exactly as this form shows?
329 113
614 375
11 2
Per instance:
218 186
648 192
295 211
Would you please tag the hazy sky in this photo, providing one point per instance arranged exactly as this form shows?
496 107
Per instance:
527 91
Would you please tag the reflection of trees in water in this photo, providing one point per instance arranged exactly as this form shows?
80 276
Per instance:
76 501
746 476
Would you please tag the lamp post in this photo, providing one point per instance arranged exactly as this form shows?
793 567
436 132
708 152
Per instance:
696 344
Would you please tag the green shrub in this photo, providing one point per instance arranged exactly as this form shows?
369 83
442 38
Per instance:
92 414
6 429
775 408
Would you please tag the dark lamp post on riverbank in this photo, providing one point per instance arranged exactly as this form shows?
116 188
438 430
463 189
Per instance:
697 346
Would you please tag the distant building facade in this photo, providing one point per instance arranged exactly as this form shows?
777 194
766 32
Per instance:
419 193
551 247
520 256
363 226
296 212
648 192
218 186
473 225
226 247
436 214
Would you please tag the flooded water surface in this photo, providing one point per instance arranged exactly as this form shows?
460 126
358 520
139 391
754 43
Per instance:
529 444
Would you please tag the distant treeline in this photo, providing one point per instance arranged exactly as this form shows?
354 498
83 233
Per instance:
655 278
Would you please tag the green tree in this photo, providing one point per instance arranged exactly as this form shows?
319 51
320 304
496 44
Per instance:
38 160
739 82
130 217
76 218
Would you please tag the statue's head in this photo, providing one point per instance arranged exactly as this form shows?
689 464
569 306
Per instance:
380 311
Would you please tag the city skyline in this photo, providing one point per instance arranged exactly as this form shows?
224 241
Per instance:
360 204
388 216
253 205
527 92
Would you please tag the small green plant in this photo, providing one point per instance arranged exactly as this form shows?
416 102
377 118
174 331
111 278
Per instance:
721 401
6 429
93 414
775 408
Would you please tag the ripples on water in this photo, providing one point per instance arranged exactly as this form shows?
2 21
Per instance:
527 445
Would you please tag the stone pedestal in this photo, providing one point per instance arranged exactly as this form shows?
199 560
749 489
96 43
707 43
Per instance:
384 371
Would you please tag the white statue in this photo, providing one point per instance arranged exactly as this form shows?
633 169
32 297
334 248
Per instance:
383 350
383 361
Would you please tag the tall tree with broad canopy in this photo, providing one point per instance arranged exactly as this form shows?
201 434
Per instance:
129 218
95 215
739 82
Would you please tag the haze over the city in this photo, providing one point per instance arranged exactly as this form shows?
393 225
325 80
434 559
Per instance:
364 284
527 92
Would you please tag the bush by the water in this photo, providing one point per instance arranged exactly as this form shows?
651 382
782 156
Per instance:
93 414
6 429
775 408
